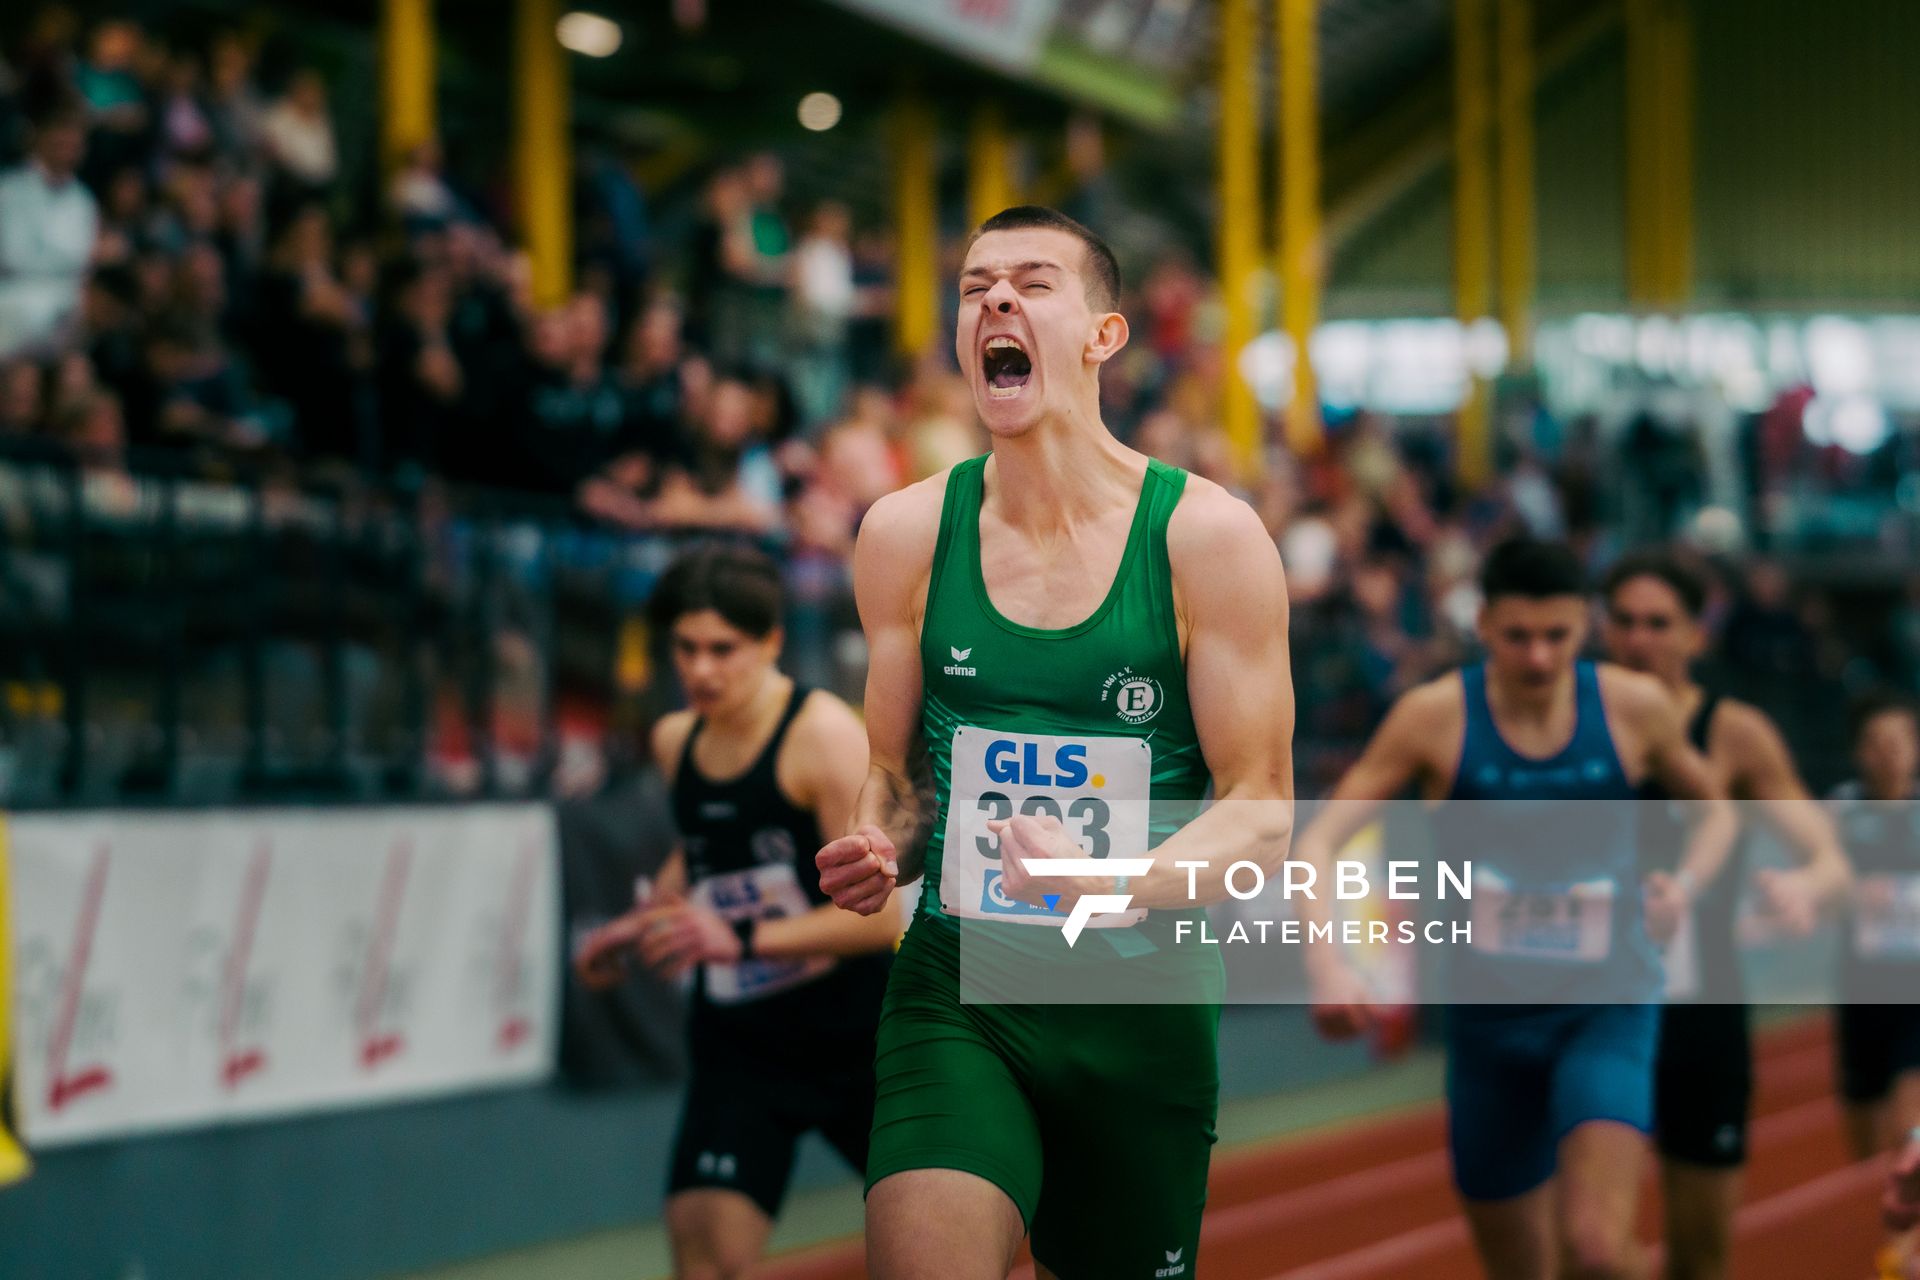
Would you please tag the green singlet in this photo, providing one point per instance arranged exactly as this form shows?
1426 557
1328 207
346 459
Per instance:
1096 1117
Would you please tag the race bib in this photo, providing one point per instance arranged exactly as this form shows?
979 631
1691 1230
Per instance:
1886 917
771 892
1569 923
1097 788
1683 960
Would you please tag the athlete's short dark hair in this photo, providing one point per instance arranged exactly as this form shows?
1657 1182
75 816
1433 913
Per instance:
1870 707
1533 568
1102 274
738 583
1686 579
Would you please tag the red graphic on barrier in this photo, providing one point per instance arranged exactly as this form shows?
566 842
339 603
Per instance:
377 1046
515 1027
65 1086
237 1064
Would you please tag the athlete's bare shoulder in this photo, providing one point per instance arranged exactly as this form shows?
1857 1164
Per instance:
1216 542
669 740
824 723
1432 714
828 739
1633 696
1209 519
1750 744
893 556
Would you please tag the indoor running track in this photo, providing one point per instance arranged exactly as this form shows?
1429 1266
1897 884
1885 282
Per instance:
1372 1200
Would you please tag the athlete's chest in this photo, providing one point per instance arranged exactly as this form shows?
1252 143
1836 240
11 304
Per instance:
1056 585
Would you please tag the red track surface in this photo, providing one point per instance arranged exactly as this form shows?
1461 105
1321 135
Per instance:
1374 1200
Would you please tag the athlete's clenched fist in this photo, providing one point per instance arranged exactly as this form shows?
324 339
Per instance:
859 871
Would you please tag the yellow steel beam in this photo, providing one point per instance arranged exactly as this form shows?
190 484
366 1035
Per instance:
1302 257
406 78
543 148
916 300
1516 230
1472 232
1238 232
990 180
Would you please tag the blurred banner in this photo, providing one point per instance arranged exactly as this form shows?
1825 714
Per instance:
172 970
1008 34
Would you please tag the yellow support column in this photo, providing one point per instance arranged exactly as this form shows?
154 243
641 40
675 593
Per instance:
916 298
14 1162
543 148
1471 216
406 78
1301 268
1238 232
1642 135
1675 51
990 181
1516 223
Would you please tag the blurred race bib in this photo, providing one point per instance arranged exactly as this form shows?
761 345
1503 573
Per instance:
1097 789
1569 923
1886 917
771 892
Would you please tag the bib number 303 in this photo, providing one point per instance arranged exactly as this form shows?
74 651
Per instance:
1097 789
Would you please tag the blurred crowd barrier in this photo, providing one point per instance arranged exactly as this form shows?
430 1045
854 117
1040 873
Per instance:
284 637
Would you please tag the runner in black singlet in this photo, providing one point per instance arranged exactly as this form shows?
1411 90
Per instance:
1703 1083
788 990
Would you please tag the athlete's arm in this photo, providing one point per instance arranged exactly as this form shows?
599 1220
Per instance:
1763 771
887 833
603 956
1650 714
823 764
1395 759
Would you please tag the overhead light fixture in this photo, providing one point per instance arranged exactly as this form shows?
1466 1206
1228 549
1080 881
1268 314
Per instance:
819 112
588 34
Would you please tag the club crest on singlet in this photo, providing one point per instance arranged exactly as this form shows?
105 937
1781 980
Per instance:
1135 698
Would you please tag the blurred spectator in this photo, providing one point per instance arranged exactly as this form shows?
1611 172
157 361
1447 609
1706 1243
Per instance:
653 378
715 487
48 226
419 195
234 105
184 125
299 134
419 380
20 390
116 103
575 414
823 301
307 325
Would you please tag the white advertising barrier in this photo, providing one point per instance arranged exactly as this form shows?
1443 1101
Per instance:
182 969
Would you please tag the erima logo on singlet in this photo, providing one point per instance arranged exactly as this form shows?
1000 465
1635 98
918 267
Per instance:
959 656
1174 1266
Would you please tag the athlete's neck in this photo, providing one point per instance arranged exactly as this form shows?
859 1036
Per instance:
1523 703
1059 474
749 720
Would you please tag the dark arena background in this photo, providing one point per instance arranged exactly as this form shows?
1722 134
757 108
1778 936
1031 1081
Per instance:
365 365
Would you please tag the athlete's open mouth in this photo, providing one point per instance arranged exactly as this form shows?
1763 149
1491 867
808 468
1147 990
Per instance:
1006 366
